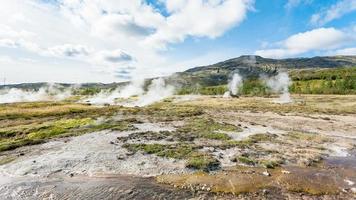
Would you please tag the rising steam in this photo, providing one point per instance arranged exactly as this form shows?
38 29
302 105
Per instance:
50 92
108 97
280 84
234 85
157 91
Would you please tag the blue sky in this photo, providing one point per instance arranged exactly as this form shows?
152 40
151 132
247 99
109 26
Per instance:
119 40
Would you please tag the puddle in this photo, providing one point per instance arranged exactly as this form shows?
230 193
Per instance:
338 151
81 187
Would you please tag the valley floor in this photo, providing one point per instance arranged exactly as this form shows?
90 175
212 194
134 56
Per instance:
186 147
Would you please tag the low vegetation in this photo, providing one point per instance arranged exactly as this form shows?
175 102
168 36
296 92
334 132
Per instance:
306 81
24 124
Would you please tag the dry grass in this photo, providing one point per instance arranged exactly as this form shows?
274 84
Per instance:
330 104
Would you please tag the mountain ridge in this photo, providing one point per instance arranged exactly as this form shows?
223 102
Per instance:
218 73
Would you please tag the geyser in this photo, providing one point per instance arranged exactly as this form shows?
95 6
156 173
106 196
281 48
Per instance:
234 86
280 84
157 90
50 92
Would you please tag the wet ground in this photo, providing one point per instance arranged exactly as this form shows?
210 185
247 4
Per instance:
82 187
313 154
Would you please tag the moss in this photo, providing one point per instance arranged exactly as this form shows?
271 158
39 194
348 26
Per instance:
203 162
13 144
246 160
59 127
124 125
6 160
177 151
270 164
261 137
310 137
233 143
216 136
195 159
207 128
166 111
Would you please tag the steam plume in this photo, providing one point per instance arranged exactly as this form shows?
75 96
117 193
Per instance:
50 92
109 97
280 84
157 91
234 85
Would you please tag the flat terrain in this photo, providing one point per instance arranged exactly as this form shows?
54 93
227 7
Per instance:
186 147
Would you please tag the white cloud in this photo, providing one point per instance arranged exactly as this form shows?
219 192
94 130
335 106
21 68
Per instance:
291 4
346 52
335 11
6 42
113 57
209 18
109 35
69 50
294 3
315 40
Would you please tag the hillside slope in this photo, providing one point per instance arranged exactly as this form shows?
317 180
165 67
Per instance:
254 66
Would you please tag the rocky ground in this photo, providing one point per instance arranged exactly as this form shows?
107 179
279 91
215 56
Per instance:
194 147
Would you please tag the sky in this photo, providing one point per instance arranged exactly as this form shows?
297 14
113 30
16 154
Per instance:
76 41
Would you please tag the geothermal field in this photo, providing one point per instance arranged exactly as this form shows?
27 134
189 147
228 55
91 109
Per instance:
149 141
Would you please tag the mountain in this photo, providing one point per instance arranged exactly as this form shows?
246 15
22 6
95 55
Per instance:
217 74
254 66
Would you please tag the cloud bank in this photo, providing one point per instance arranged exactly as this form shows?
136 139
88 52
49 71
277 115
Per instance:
320 39
107 36
334 12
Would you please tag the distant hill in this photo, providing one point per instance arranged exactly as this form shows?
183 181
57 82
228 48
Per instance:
253 66
218 74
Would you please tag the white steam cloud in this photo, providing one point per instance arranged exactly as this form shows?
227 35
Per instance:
51 92
157 91
108 97
280 83
234 85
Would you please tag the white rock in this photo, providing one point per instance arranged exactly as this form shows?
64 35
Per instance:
350 183
266 173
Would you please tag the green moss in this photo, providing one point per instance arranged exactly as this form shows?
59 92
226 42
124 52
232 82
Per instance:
167 111
195 159
216 136
261 137
309 137
59 127
246 160
241 144
124 125
13 144
6 160
177 151
202 162
271 164
207 128
248 142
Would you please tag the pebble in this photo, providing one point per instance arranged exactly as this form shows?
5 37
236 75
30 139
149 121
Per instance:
353 190
285 172
266 173
350 183
121 157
